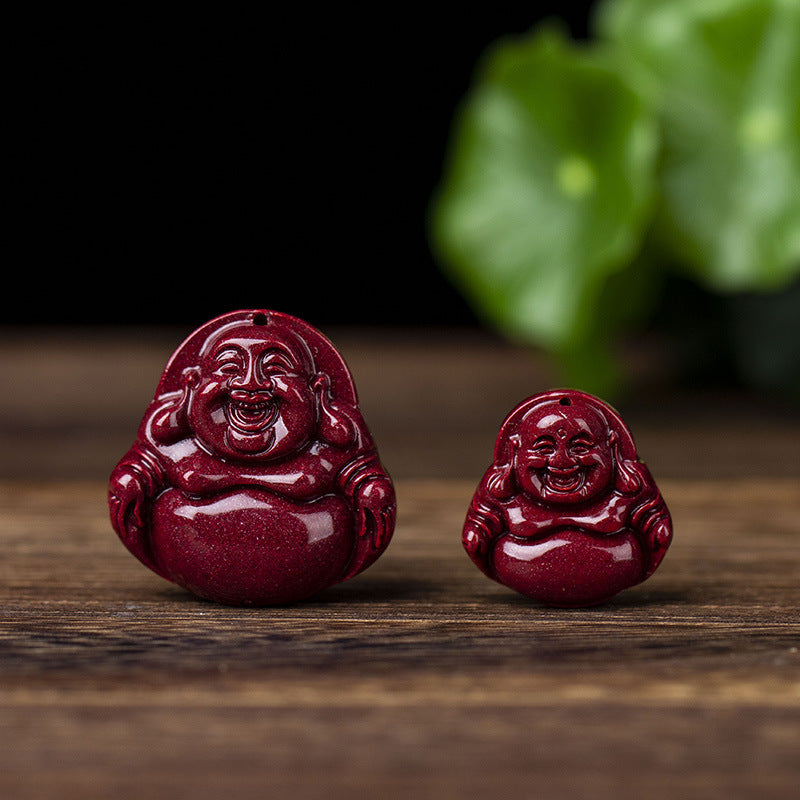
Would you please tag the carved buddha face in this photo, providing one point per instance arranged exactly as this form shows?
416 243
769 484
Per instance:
564 455
251 397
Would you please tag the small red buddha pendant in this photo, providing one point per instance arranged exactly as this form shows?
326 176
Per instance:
567 514
253 479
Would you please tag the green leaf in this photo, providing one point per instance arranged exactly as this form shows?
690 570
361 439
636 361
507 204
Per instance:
725 78
545 193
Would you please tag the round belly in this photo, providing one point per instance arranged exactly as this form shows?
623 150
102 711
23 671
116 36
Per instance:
249 547
570 568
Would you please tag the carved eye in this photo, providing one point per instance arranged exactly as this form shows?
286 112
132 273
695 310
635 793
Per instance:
228 362
275 366
544 449
580 448
273 370
229 366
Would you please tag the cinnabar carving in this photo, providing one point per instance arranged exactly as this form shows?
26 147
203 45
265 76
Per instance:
253 478
567 514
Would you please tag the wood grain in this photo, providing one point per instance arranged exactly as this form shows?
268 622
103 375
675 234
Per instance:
419 678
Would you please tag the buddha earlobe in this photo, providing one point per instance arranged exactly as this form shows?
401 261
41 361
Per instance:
334 426
172 422
500 483
628 480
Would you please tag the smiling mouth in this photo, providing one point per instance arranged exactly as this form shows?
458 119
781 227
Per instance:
564 480
251 416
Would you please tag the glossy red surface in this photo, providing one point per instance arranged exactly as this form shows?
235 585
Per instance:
253 479
567 514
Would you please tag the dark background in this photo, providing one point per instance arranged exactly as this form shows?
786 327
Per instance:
174 168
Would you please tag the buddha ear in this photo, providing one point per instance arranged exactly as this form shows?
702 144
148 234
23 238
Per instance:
335 427
189 377
628 480
500 482
171 421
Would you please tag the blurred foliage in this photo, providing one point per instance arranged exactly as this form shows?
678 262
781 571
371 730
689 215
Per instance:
583 177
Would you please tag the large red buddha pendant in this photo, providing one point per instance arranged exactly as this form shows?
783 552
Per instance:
253 478
567 514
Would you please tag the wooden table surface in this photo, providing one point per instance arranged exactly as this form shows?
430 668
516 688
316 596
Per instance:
419 678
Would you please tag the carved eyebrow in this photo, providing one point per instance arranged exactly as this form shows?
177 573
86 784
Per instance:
277 355
228 351
543 439
276 360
